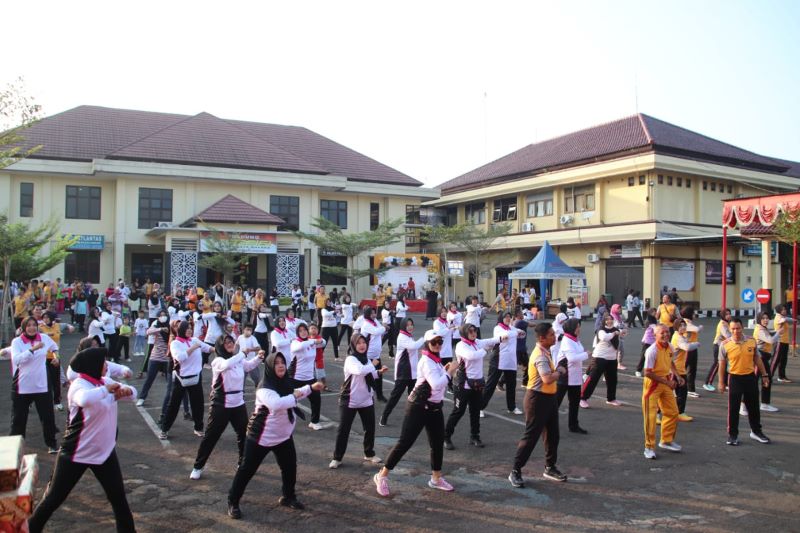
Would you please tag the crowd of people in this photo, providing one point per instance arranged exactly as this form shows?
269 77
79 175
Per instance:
239 335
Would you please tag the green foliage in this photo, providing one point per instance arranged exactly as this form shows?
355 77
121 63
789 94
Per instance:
17 112
787 227
223 254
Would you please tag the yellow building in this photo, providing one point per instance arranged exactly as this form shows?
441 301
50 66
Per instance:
634 203
137 187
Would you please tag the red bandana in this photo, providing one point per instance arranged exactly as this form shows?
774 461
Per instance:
435 358
90 379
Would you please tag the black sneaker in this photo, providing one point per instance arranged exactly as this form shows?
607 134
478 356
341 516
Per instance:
476 441
515 477
448 444
291 502
551 472
234 511
501 387
732 441
578 429
187 416
760 437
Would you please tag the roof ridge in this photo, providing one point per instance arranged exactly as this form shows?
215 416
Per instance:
253 135
645 128
140 139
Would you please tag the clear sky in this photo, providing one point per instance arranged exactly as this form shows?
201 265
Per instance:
431 88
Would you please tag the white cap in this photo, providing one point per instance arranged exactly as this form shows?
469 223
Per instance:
430 335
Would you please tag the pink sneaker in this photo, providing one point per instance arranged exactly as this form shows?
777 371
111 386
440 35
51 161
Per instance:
440 484
615 403
622 367
584 404
382 484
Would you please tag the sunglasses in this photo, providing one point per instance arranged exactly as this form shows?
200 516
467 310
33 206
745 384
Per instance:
436 342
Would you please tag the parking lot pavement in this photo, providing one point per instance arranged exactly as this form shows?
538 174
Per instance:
707 487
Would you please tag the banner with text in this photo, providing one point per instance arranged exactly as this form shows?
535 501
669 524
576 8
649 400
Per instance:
246 243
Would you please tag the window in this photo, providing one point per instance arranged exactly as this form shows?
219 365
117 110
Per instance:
579 199
288 208
660 179
713 186
83 265
540 205
505 209
83 202
722 188
475 213
730 189
334 211
679 181
375 215
155 205
471 280
630 181
705 185
669 180
688 183
412 214
26 199
328 278
451 216
642 179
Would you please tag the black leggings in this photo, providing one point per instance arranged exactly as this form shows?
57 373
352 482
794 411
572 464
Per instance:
195 393
315 399
573 393
766 395
400 385
781 359
465 398
218 419
263 340
428 416
681 392
601 367
254 454
20 404
691 369
345 332
112 343
54 381
510 379
346 417
712 372
67 474
640 366
330 336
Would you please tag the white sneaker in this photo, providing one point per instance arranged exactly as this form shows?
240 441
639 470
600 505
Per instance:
315 426
482 415
742 410
691 394
638 375
769 408
649 453
516 411
671 446
60 406
334 464
198 433
139 403
196 473
374 459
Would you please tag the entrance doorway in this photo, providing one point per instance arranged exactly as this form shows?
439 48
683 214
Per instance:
622 275
145 266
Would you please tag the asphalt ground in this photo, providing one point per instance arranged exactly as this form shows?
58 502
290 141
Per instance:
708 487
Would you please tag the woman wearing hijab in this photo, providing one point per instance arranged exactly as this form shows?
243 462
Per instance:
89 440
216 321
187 379
571 354
96 326
405 366
619 323
504 366
29 381
423 410
387 320
158 359
292 322
604 359
280 337
356 398
374 332
301 369
229 368
330 330
444 328
270 430
349 310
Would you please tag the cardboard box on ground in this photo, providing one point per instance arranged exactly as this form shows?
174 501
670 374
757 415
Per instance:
18 475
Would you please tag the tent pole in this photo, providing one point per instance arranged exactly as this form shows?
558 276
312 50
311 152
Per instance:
794 296
724 265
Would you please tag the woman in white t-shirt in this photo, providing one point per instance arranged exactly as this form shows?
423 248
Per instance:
349 312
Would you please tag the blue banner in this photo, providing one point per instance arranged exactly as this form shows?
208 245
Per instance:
88 242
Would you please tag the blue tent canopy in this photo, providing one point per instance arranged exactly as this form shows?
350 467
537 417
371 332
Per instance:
547 265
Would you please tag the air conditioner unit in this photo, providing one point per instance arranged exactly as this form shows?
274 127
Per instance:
527 227
566 219
592 258
164 225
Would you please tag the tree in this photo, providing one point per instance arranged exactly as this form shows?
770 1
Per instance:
443 236
17 112
20 249
224 256
351 245
787 227
477 241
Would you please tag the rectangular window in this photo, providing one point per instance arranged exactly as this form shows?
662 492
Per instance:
334 211
540 205
155 205
730 189
660 179
288 208
669 180
505 209
579 199
630 181
679 181
642 179
705 185
83 265
471 280
83 202
688 183
26 199
713 186
451 216
375 215
475 213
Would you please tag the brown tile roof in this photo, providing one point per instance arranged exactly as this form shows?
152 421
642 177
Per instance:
636 134
89 132
232 209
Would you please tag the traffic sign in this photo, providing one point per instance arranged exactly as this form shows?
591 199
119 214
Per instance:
748 296
762 296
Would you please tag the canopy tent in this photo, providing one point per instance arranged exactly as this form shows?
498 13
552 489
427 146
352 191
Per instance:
758 214
546 266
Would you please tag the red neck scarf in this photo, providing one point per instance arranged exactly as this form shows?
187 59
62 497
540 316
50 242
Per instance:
503 325
281 331
443 320
570 336
404 332
471 343
28 340
90 379
371 321
435 358
183 340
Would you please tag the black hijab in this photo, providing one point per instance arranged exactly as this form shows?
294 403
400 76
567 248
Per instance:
283 386
219 347
89 362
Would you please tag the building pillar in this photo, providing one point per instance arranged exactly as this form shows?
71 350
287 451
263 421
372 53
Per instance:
121 202
766 269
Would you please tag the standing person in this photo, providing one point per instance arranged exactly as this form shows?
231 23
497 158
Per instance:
604 356
667 313
423 410
216 320
274 303
80 309
572 351
329 328
89 441
765 343
648 338
109 319
310 302
301 369
387 320
124 340
297 299
738 357
400 311
270 430
412 289
187 379
292 323
522 347
456 320
469 384
506 365
29 381
356 398
692 333
619 323
445 329
405 366
431 296
349 311
281 339
247 344
140 334
320 297
319 358
158 359
782 321
541 409
237 303
723 333
261 331
373 332
637 309
473 314
53 329
629 308
681 346
229 368
658 394
573 309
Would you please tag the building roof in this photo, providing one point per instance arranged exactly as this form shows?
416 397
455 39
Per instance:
90 132
232 209
631 135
